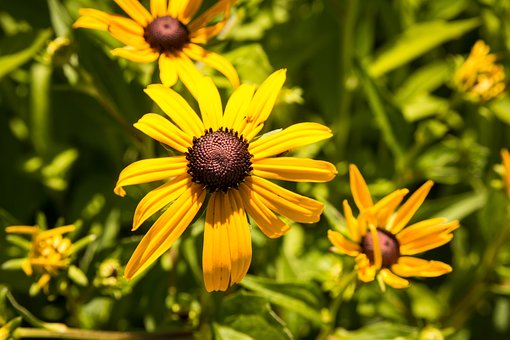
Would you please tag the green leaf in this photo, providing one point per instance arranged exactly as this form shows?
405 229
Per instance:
77 276
377 331
418 40
226 333
296 297
252 315
19 48
501 109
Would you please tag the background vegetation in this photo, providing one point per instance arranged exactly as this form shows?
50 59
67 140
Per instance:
379 73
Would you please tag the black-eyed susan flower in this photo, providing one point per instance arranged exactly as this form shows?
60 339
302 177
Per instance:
479 77
49 253
382 242
219 155
505 155
169 33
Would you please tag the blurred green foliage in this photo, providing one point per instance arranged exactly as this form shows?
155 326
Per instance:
379 73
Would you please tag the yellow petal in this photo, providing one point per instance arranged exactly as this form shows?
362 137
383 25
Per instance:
177 108
162 130
262 104
265 219
422 245
377 247
412 266
188 73
127 25
189 11
407 210
93 19
393 280
138 56
167 70
150 170
284 202
213 60
238 103
505 155
294 169
359 188
352 223
426 228
222 6
136 11
290 138
209 101
56 231
128 32
204 34
26 266
366 271
166 230
216 252
44 280
160 197
159 7
385 207
240 239
22 229
343 244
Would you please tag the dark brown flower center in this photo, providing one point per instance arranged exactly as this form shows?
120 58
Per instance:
166 34
219 160
390 248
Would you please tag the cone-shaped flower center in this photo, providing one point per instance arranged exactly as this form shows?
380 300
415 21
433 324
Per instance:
219 160
390 248
166 34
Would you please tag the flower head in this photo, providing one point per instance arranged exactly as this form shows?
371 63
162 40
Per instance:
169 33
49 252
381 240
221 157
479 76
505 155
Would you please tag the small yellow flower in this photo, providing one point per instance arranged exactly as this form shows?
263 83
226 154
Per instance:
219 156
49 253
505 155
168 33
382 242
479 77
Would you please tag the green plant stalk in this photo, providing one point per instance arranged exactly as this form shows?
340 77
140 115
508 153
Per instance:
462 311
40 79
74 333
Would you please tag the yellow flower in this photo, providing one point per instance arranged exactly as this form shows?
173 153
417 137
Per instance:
505 155
49 252
479 77
220 156
168 34
382 242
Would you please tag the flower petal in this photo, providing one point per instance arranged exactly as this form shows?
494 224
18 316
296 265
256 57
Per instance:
128 32
393 280
385 207
407 210
166 230
290 138
352 223
162 130
237 105
284 202
222 6
343 244
22 229
216 252
159 8
136 11
160 197
167 70
413 266
183 10
188 73
262 104
265 219
430 227
240 239
213 60
56 231
377 253
209 101
366 271
422 245
93 19
294 169
505 155
176 108
204 34
150 170
359 188
138 56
